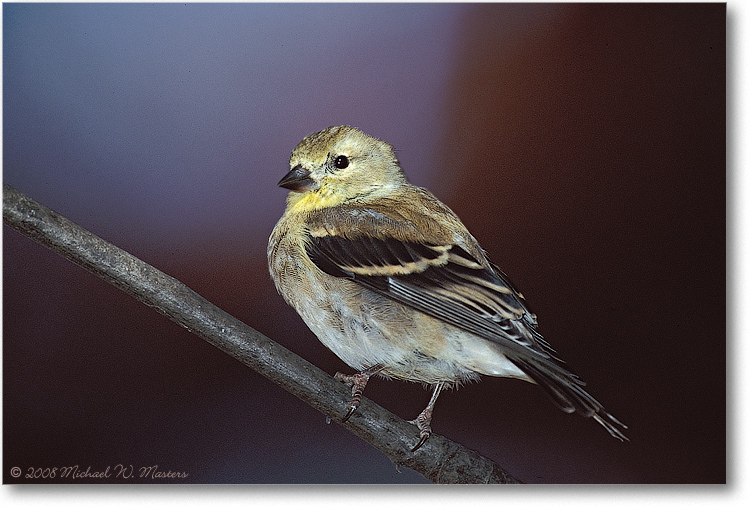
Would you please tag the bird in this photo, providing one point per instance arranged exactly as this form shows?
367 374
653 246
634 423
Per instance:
391 281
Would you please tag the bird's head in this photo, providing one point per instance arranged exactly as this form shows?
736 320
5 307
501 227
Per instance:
339 165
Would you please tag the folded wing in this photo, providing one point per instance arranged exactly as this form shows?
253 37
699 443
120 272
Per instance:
448 283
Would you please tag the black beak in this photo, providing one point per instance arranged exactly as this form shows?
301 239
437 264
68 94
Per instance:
298 180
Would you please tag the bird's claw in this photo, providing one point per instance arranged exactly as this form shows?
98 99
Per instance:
423 422
357 382
423 436
349 413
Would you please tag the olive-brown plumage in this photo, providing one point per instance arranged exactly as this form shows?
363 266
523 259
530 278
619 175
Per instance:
392 282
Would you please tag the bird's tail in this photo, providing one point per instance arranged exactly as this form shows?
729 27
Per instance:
566 390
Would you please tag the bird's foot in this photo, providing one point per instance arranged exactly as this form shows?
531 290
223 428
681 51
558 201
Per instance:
357 382
425 417
423 424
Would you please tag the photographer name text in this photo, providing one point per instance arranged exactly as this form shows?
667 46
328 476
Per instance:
112 473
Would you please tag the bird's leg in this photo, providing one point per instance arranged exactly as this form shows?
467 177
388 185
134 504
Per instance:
357 382
425 417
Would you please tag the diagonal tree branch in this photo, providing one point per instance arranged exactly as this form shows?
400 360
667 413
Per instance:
439 460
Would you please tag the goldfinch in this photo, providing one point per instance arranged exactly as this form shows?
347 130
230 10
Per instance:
393 283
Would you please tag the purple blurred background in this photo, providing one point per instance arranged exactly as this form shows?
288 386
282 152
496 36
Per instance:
583 145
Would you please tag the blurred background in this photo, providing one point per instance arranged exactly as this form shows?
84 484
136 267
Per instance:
582 144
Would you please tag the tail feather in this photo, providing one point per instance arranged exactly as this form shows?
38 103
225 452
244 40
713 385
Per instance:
566 391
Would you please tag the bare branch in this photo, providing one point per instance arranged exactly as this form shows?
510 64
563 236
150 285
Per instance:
439 460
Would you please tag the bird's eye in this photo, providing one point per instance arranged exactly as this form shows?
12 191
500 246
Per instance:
341 161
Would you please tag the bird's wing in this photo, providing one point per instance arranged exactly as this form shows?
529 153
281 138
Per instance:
442 280
446 281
